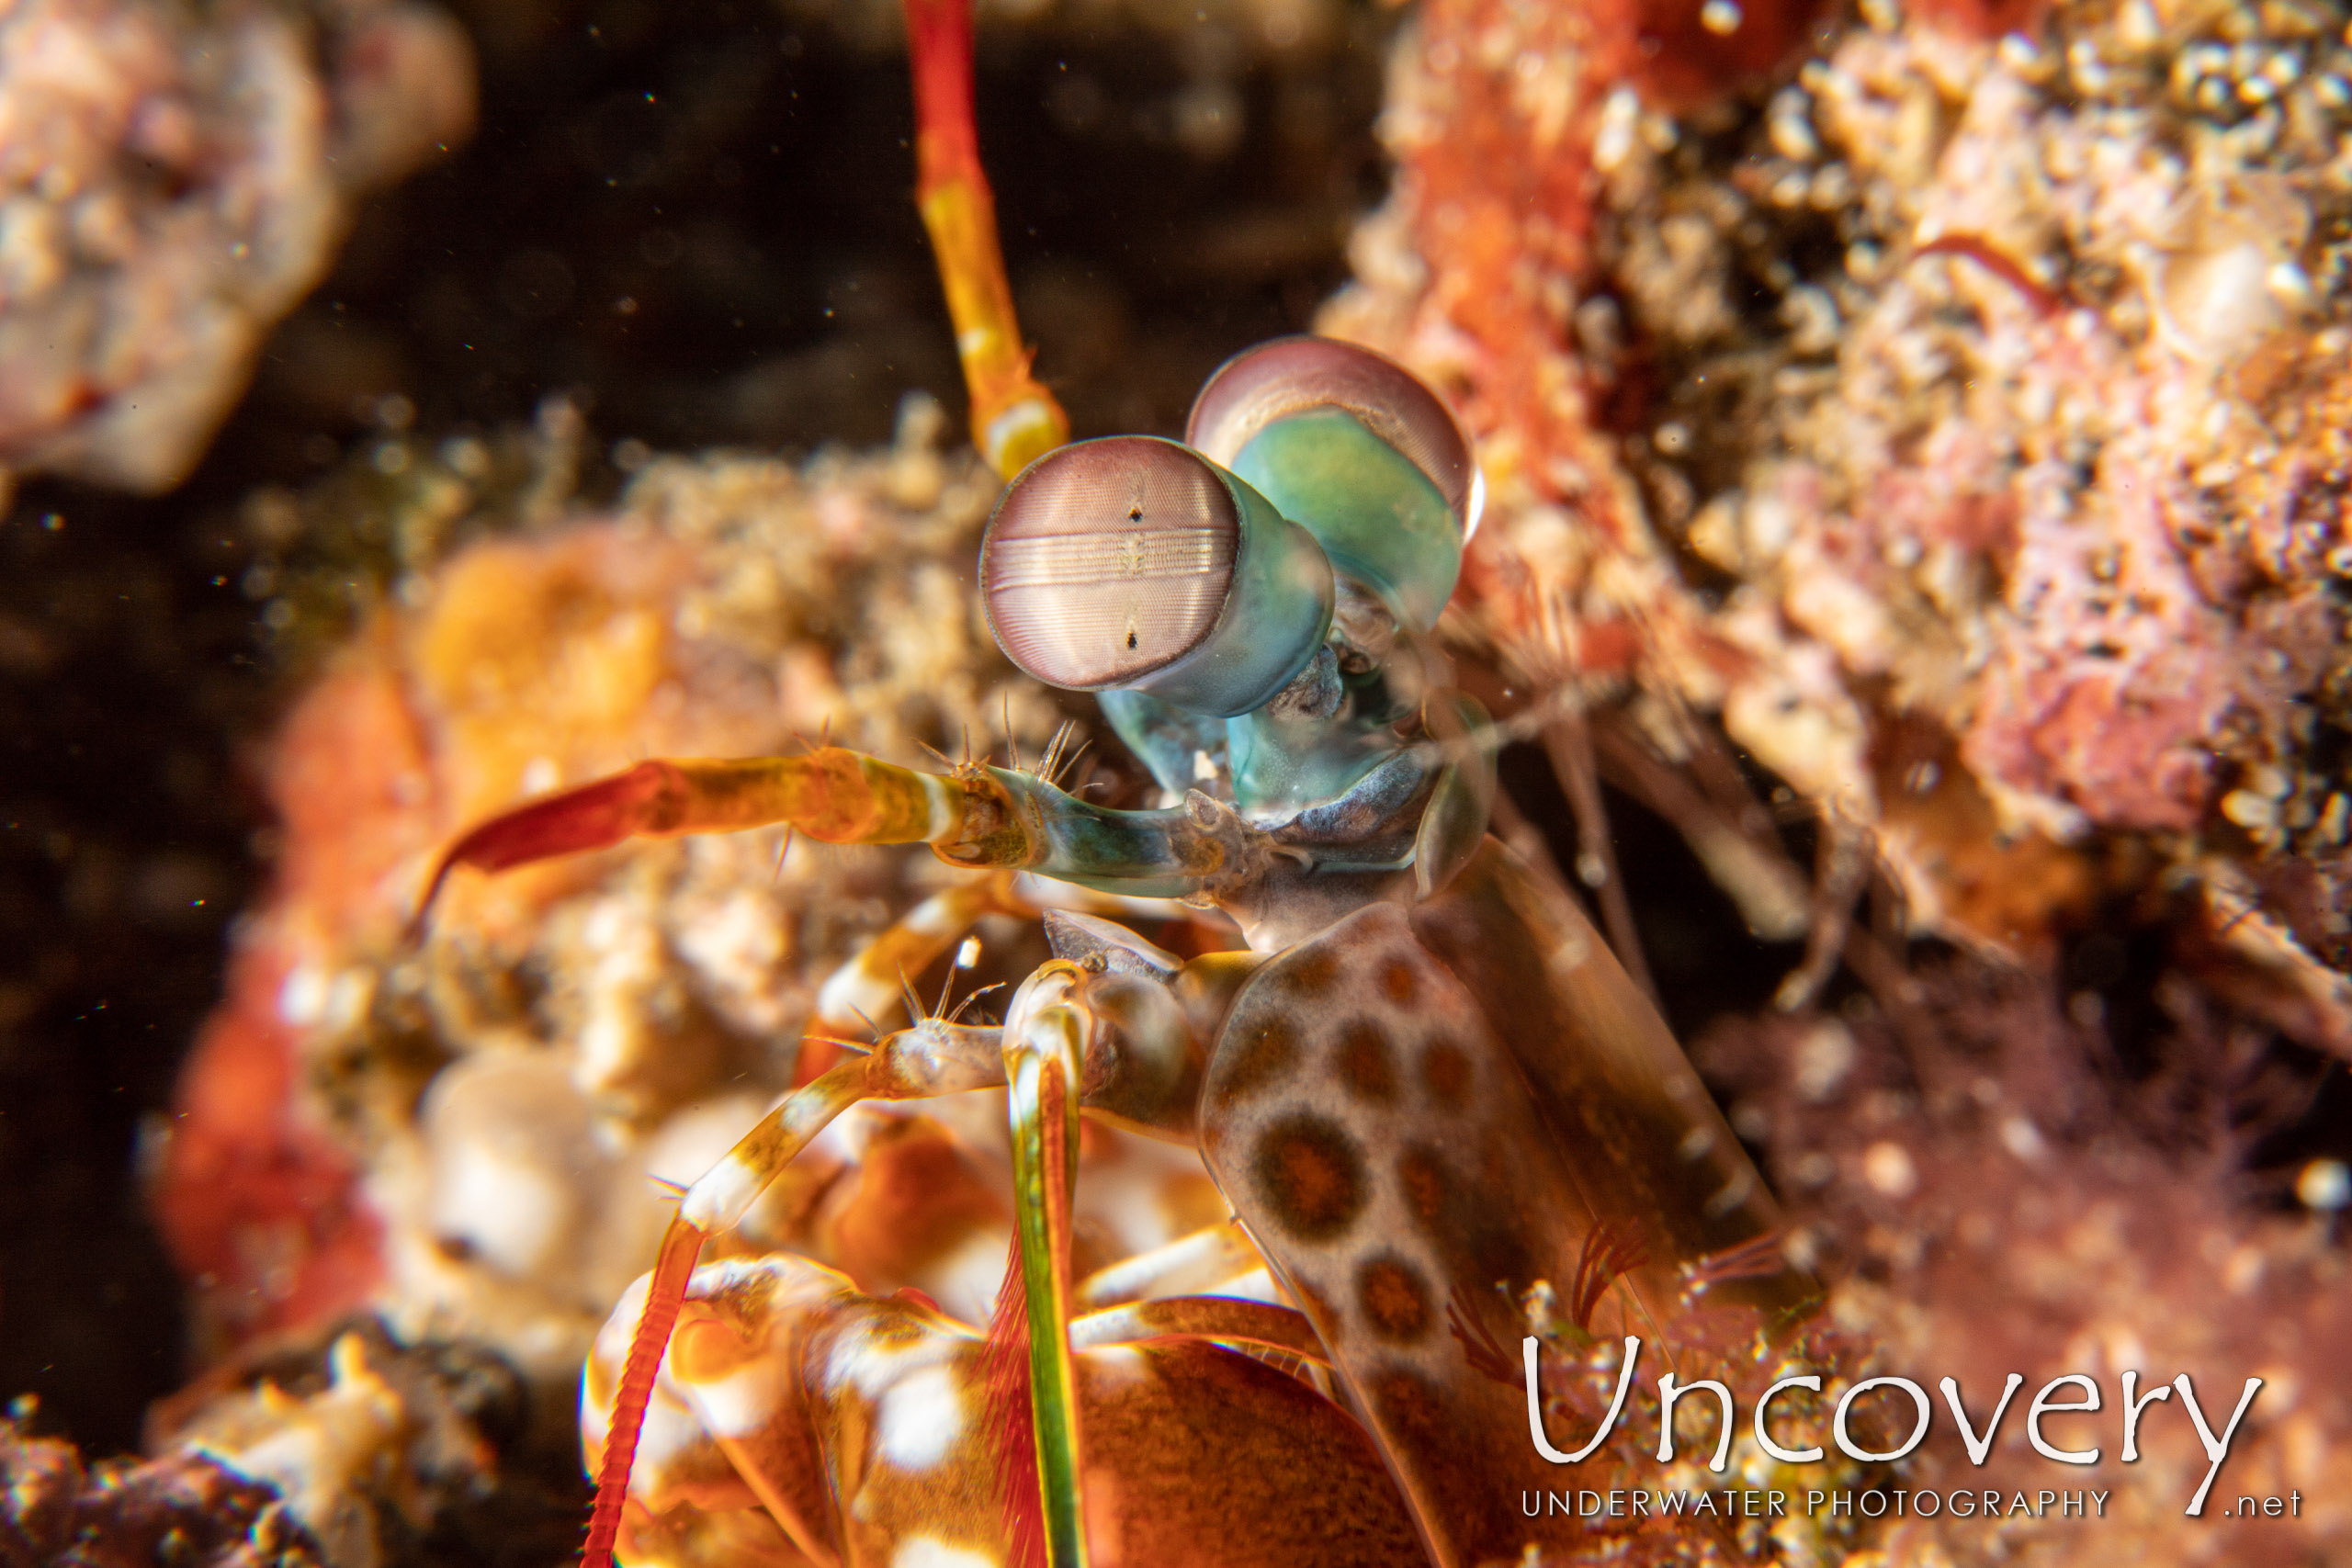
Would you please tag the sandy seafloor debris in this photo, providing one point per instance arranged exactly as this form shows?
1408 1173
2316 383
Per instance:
1953 423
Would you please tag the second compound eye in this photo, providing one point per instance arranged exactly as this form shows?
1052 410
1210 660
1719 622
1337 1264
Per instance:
1135 563
1357 449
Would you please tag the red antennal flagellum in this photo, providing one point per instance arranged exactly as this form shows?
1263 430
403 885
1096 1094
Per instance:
1012 1427
681 1245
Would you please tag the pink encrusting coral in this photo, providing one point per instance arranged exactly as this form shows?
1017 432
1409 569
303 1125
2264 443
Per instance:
1983 385
1959 424
1992 1197
2106 691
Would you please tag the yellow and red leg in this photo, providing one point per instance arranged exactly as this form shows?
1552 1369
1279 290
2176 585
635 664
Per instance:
1014 420
932 1058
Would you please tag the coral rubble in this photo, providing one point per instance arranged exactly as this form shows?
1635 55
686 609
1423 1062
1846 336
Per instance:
1955 422
703 619
456 1126
172 180
54 1509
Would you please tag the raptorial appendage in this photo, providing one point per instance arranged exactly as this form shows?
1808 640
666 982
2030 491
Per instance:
976 816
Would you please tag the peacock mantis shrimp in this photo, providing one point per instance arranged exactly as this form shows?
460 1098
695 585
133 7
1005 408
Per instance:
1423 1087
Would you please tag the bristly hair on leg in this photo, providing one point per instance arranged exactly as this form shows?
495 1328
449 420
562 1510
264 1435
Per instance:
1060 754
855 1047
913 1003
971 997
946 993
1010 1423
1758 1255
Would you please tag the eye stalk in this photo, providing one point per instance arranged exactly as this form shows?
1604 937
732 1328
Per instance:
1357 449
1133 562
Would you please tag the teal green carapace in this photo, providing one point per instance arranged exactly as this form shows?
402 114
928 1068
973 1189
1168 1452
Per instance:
1276 762
1281 610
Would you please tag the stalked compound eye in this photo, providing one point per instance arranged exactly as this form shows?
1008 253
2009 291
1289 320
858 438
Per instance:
1135 562
1292 375
1108 561
1356 448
